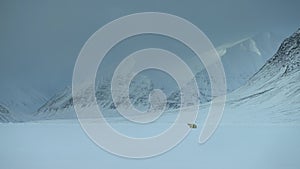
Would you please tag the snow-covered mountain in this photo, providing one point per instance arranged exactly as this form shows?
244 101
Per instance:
241 59
275 86
23 100
140 89
5 115
61 100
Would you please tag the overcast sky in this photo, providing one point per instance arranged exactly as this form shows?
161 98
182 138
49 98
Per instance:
40 40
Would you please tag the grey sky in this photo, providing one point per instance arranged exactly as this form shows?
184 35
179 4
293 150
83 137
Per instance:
40 40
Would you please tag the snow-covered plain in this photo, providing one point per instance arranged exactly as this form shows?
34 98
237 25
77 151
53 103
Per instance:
63 144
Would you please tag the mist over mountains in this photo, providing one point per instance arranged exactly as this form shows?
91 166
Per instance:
248 56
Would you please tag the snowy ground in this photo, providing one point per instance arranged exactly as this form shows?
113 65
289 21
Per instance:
241 142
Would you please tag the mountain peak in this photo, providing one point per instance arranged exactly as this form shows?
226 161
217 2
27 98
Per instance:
284 62
276 84
288 54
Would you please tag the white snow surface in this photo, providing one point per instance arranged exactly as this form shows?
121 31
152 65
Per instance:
62 144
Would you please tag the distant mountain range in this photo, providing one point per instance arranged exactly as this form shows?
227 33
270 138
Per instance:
241 60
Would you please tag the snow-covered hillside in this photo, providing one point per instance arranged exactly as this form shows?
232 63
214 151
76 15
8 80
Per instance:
241 60
21 99
276 86
5 115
